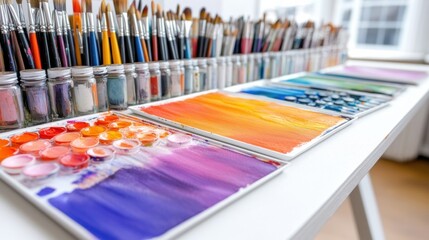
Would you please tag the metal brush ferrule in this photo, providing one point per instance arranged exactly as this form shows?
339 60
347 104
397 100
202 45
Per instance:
66 20
154 26
145 27
99 25
135 26
202 28
57 24
125 22
103 23
15 19
169 30
111 22
90 21
120 25
161 27
84 23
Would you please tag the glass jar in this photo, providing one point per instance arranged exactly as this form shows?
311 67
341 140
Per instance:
117 87
36 96
60 86
130 75
212 73
250 67
242 74
265 70
196 77
229 71
258 66
202 66
221 72
11 105
100 75
176 77
165 80
84 90
274 64
142 83
236 66
189 71
182 77
155 81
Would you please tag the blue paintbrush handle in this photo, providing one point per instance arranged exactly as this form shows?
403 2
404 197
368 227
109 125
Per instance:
94 49
187 48
139 49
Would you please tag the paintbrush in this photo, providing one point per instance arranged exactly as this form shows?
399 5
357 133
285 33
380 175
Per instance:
201 32
68 35
34 45
22 41
15 46
92 39
6 45
162 41
140 6
240 25
154 32
180 24
22 18
136 34
1 62
53 51
99 36
120 32
86 61
194 37
129 53
219 38
187 15
172 46
146 31
246 41
77 28
107 58
59 31
42 38
142 33
116 54
208 41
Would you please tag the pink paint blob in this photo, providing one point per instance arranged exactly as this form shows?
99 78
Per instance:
14 164
178 139
40 171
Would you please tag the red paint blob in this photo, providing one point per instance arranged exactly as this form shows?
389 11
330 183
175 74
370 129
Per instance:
50 132
106 120
75 161
76 126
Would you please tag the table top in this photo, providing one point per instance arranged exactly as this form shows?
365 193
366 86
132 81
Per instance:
294 204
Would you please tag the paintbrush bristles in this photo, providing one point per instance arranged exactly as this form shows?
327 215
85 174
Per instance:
188 14
158 8
153 7
76 6
88 5
203 13
145 11
34 3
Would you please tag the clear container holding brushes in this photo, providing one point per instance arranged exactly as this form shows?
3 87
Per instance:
85 99
274 64
212 78
265 71
202 66
221 72
60 86
117 87
165 80
155 81
36 96
176 78
250 67
242 74
182 77
236 66
229 71
11 104
258 67
196 76
189 73
142 83
100 75
130 75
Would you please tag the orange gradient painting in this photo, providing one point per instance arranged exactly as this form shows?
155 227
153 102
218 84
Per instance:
260 123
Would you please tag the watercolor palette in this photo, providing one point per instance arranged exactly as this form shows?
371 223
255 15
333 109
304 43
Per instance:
316 81
112 176
270 127
350 103
377 74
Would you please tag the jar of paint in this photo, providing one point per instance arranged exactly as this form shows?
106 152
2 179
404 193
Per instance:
142 83
84 90
196 77
36 96
202 65
4 142
130 75
229 71
11 104
126 146
221 72
258 66
274 64
250 67
60 85
117 87
100 75
155 81
93 131
176 77
34 147
182 77
236 66
265 67
165 80
188 71
212 73
106 120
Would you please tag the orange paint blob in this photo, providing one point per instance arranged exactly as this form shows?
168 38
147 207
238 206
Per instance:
53 153
34 147
8 151
125 145
147 138
119 124
109 136
50 132
22 138
4 142
76 126
65 138
82 144
106 120
92 131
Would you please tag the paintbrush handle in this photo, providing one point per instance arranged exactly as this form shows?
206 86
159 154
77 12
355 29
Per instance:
62 51
129 53
121 44
76 44
9 60
181 47
26 53
53 51
139 49
149 49
145 51
85 53
93 49
187 49
154 48
107 58
201 46
116 54
35 50
173 49
209 43
44 50
67 48
99 46
18 56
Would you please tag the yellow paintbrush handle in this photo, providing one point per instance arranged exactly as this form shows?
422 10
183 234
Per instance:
115 49
107 58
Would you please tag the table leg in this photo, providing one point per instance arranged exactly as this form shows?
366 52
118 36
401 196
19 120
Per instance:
365 211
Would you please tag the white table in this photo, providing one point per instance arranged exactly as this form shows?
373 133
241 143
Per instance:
294 204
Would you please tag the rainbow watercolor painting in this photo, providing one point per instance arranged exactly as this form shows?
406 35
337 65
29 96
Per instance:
267 127
156 192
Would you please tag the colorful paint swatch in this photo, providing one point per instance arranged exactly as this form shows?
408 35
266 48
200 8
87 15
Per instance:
346 84
260 123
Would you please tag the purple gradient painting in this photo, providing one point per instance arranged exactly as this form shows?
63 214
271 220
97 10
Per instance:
145 201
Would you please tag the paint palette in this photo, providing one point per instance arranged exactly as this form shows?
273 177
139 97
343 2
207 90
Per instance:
335 83
276 129
345 102
151 182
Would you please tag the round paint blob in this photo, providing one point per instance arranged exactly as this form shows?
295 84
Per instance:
131 131
22 138
74 162
76 126
34 147
50 132
8 151
4 142
66 138
100 154
53 153
40 171
92 131
119 124
178 139
126 146
14 164
147 138
82 144
106 120
108 137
